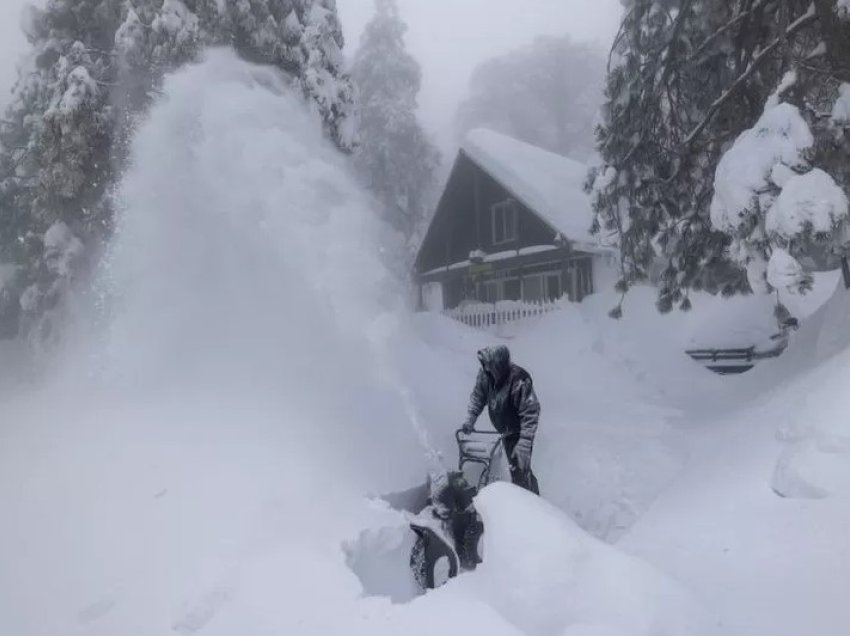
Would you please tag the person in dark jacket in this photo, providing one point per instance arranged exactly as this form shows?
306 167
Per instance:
507 391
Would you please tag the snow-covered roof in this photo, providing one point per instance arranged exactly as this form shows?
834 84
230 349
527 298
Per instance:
549 184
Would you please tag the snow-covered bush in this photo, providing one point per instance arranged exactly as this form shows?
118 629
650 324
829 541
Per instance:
771 200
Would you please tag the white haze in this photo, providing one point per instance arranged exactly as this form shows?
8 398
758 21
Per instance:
12 44
449 37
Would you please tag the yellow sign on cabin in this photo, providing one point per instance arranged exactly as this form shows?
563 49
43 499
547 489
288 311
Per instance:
476 269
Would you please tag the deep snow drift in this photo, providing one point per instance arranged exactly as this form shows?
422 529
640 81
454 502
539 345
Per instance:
200 459
566 583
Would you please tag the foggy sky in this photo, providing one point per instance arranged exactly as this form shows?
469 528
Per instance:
11 45
449 37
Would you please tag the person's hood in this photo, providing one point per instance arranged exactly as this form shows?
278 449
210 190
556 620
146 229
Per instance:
496 361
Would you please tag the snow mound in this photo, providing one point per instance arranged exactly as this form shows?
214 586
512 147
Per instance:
380 557
815 458
548 578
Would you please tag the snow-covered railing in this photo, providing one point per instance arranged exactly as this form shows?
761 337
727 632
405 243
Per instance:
484 315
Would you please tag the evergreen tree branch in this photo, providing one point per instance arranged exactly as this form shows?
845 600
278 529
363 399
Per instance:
731 24
836 38
799 24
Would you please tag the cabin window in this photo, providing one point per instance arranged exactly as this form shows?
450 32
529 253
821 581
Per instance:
532 288
540 287
512 289
495 291
505 222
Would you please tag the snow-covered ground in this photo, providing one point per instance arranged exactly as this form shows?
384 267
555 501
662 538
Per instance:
203 458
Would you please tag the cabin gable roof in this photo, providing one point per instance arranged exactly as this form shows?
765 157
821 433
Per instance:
550 185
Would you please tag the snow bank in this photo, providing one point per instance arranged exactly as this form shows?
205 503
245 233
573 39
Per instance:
739 523
815 459
549 578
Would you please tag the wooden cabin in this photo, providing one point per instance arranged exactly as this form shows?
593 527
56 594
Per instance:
513 224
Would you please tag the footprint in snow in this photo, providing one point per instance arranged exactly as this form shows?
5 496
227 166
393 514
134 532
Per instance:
202 612
95 611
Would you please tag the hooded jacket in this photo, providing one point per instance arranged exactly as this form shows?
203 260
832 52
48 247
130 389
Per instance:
508 393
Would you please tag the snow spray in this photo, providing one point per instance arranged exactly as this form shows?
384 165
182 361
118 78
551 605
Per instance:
378 337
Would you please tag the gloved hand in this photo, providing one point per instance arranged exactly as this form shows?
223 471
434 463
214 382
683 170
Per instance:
468 427
522 455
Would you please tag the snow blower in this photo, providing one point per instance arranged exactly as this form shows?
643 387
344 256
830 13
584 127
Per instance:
448 530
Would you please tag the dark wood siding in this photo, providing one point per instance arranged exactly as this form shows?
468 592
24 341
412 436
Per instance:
463 220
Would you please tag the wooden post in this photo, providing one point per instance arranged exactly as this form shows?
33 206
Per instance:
477 196
574 284
845 270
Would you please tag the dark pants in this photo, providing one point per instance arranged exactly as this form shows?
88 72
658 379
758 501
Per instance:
523 479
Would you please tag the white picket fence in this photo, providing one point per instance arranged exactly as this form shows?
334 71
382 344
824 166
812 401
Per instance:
484 315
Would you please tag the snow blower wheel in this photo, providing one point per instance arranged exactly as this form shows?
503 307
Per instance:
433 562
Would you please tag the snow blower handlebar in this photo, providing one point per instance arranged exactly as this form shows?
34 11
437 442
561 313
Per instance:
460 433
478 447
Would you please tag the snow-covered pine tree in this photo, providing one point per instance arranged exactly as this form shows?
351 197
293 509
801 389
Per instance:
155 37
396 159
61 139
55 152
304 38
687 77
94 66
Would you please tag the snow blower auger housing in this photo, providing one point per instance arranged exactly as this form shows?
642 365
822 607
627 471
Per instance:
449 530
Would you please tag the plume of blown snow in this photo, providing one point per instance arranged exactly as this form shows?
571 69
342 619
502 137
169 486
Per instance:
227 392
